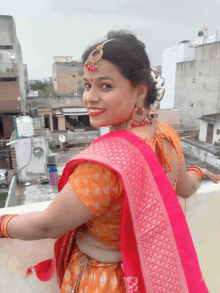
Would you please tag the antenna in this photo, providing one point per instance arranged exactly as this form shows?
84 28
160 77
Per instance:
12 55
62 138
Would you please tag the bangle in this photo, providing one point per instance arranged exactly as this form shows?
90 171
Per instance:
1 220
4 224
196 170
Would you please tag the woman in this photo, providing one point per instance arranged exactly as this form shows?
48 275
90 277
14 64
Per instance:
117 218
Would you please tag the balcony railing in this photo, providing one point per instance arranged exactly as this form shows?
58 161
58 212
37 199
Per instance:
202 211
8 70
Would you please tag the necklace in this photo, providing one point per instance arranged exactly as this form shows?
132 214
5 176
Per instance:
129 124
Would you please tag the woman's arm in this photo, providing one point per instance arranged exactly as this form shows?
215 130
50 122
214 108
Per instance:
187 183
66 212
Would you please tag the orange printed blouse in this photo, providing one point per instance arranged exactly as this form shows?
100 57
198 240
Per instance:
101 189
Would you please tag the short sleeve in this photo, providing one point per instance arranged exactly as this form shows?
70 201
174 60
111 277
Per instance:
96 185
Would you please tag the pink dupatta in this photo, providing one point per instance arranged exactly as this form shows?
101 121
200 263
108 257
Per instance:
157 249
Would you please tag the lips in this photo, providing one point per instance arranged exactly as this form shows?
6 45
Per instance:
95 111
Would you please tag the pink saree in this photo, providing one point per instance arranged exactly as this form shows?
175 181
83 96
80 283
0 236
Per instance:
157 249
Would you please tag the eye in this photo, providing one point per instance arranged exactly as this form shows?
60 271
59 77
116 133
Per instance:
106 86
87 86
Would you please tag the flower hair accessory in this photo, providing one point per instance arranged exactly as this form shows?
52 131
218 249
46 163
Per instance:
160 89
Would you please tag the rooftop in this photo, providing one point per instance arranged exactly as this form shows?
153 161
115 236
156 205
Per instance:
211 117
36 192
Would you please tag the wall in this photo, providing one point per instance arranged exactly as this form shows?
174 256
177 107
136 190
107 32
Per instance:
170 57
202 211
203 130
12 193
204 93
67 76
61 123
26 77
54 102
17 256
8 37
43 112
24 151
169 116
197 152
21 77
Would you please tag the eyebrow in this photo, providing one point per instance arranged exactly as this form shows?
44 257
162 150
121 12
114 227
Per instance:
100 78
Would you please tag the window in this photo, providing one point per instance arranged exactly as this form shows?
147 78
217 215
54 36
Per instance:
8 79
7 69
218 131
6 47
12 69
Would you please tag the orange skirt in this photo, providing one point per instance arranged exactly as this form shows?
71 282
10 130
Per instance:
85 275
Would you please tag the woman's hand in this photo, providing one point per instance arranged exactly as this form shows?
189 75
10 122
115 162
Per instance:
214 177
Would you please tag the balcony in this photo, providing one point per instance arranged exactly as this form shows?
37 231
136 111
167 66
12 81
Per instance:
202 211
8 70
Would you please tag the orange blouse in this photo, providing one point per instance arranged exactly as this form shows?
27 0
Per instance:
101 189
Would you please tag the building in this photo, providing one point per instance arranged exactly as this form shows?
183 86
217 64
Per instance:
171 56
210 128
169 116
13 76
60 112
191 71
67 76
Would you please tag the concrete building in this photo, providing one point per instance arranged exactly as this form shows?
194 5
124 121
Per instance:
191 71
67 76
197 90
180 53
210 128
12 77
60 113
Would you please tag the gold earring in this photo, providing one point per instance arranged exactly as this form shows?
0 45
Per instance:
139 115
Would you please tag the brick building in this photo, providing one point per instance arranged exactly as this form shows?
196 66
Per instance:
13 77
67 75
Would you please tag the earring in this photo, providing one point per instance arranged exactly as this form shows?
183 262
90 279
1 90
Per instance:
139 115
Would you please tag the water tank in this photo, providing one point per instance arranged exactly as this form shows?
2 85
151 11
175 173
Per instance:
25 127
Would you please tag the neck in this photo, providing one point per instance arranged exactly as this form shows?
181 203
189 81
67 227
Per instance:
130 124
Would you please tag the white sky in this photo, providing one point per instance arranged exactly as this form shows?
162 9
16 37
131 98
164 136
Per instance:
47 28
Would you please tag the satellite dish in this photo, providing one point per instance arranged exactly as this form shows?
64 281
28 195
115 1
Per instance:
62 138
12 55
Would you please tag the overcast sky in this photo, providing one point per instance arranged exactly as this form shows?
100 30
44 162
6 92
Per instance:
47 28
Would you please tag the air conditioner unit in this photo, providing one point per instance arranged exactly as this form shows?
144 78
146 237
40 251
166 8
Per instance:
51 160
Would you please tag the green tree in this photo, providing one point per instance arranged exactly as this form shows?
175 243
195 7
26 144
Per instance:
39 85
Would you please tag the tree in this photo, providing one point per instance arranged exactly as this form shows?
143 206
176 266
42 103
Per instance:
39 85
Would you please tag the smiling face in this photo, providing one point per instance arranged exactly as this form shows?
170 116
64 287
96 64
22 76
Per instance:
109 97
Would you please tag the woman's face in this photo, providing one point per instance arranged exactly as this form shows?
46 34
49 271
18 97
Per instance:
109 97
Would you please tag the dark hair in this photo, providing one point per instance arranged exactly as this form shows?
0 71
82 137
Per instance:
129 55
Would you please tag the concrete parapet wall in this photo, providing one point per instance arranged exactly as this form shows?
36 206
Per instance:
202 211
12 193
201 154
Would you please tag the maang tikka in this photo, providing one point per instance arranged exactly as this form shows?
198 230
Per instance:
95 57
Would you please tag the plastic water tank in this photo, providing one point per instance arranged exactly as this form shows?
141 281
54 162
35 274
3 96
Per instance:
25 126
